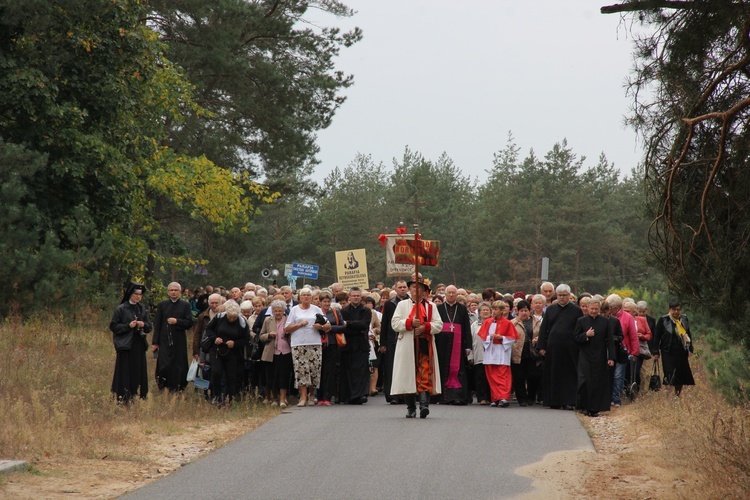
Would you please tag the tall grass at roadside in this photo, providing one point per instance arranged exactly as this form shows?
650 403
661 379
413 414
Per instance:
702 431
55 395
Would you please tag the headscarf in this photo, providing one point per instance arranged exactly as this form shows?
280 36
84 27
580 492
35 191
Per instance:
130 288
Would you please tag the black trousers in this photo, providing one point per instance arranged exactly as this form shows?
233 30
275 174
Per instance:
231 369
526 378
481 386
329 375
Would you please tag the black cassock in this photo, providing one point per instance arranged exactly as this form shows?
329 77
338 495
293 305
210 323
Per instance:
354 377
172 363
388 338
560 379
451 346
593 372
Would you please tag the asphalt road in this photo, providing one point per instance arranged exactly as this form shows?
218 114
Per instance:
372 451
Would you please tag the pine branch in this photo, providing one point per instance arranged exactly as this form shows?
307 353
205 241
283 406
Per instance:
648 5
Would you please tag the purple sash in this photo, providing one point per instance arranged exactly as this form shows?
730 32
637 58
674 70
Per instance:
452 382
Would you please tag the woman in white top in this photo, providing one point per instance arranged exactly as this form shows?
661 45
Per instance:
306 345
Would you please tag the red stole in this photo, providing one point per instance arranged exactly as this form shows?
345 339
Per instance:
423 312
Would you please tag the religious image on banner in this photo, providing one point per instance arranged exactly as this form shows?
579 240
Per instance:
391 267
351 268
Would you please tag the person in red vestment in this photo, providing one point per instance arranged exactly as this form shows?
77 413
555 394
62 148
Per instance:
498 335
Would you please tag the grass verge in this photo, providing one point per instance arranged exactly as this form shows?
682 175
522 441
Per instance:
59 413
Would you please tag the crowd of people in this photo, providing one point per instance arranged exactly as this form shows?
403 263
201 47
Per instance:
411 343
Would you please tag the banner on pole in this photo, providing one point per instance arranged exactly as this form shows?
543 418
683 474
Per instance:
351 268
391 267
400 253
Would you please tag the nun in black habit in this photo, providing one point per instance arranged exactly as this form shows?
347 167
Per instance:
130 324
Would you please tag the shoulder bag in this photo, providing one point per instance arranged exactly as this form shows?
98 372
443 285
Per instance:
340 337
643 351
654 383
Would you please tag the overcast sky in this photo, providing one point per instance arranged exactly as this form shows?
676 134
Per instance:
455 76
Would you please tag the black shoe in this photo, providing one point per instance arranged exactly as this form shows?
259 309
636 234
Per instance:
424 404
593 414
522 403
569 407
554 407
586 412
411 406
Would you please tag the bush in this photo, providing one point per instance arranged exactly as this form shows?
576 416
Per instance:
728 363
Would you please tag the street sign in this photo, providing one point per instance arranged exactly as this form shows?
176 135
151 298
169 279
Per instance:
309 271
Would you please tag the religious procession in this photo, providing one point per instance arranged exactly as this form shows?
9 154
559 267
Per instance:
410 344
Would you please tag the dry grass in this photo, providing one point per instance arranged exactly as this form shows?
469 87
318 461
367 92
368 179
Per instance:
705 434
662 446
56 402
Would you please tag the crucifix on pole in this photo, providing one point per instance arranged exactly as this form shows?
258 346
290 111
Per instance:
416 204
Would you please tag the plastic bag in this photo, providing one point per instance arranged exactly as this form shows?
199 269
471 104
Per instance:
192 371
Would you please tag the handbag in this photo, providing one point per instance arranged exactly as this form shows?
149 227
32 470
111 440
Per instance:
256 349
192 371
341 340
643 351
654 383
340 337
207 341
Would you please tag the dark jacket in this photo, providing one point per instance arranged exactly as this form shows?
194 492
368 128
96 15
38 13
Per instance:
357 327
238 331
179 309
665 329
122 335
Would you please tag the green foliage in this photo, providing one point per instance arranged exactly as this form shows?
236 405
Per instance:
265 81
491 234
89 96
584 219
34 264
729 364
690 87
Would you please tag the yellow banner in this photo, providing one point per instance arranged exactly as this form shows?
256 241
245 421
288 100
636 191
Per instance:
351 268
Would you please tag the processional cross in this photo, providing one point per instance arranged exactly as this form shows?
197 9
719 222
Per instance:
417 245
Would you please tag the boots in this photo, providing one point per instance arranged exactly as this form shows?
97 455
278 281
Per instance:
424 404
411 406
